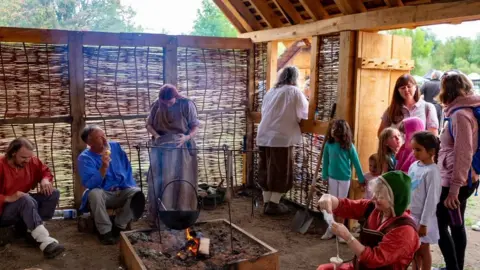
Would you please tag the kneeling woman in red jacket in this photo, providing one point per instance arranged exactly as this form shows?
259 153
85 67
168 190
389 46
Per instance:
388 239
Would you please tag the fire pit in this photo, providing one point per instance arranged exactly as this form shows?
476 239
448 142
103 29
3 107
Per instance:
206 245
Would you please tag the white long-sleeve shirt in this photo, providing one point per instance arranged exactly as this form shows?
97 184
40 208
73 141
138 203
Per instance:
282 110
426 189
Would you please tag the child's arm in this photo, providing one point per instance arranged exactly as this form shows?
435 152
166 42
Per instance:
325 161
356 164
432 190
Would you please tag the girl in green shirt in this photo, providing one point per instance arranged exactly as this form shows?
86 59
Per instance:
338 157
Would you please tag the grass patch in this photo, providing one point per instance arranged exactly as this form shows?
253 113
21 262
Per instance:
469 221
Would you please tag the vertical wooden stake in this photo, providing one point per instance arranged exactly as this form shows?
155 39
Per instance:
272 58
346 78
250 122
77 105
314 53
170 61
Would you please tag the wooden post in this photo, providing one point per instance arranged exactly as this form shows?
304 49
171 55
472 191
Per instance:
272 57
346 105
346 78
314 51
170 61
250 122
77 105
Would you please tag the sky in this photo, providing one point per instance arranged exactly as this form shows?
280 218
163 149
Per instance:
177 17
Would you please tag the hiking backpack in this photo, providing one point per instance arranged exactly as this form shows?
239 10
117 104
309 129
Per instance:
476 155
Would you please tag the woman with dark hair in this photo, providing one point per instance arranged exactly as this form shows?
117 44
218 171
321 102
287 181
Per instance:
173 124
282 109
458 143
405 103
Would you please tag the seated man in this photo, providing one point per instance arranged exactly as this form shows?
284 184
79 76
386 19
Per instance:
21 172
107 174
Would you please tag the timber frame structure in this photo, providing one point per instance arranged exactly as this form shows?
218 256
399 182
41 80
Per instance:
53 82
365 64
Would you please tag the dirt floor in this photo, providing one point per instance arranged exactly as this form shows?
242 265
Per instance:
297 251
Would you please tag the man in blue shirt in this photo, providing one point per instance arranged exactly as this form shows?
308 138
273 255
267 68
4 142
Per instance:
107 174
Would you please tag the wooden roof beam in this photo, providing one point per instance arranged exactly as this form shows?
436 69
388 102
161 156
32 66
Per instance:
267 13
382 19
243 15
350 6
394 3
315 9
289 11
230 16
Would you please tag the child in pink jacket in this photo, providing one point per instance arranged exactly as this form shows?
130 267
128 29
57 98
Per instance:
405 156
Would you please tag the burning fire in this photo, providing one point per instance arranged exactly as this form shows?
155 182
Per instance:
192 245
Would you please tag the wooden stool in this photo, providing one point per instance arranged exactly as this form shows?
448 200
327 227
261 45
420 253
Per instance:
86 223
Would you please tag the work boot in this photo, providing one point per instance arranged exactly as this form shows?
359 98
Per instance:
6 235
276 209
116 231
53 250
107 238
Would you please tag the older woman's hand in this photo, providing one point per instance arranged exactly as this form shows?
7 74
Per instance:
340 230
325 203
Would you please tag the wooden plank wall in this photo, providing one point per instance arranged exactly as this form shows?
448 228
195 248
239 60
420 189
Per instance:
374 87
76 41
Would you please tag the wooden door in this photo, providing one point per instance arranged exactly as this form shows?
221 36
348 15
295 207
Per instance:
381 60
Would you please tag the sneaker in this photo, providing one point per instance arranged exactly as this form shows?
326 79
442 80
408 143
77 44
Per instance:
327 235
107 239
276 209
476 226
53 250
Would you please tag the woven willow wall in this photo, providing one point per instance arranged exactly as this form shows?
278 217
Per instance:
34 83
120 84
216 80
306 154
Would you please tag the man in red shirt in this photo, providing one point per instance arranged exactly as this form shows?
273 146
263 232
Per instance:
20 172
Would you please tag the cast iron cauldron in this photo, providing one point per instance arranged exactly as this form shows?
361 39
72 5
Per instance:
178 219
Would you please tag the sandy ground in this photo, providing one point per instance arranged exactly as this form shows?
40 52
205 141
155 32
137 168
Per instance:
83 251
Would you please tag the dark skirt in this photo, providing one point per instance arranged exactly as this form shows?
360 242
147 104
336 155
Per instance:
276 168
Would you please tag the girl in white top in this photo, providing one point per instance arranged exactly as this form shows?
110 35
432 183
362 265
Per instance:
426 189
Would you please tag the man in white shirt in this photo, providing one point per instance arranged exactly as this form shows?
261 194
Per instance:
283 107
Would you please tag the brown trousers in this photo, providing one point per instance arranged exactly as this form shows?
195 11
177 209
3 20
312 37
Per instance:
276 168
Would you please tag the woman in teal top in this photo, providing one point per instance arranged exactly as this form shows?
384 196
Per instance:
338 156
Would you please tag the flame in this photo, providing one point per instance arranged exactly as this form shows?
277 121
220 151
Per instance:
194 243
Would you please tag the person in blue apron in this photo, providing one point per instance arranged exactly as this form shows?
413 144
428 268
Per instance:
173 124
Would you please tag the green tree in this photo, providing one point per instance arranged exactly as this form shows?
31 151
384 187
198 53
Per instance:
474 56
423 43
210 21
94 15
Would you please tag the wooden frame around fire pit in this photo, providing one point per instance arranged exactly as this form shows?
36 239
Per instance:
267 261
